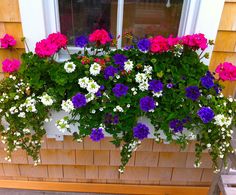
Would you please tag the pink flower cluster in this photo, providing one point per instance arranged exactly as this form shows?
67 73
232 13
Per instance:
196 41
226 71
10 65
7 41
49 46
161 44
101 36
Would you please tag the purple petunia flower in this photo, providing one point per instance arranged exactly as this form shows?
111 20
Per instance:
120 60
96 134
81 41
155 85
128 47
144 45
109 119
79 100
147 103
110 71
208 80
99 92
217 88
140 131
192 92
206 114
176 125
120 90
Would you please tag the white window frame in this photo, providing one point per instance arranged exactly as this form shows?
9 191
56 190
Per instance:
40 18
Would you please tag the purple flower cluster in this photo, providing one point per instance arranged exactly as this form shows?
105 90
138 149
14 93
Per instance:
79 100
81 41
155 85
96 134
120 60
176 125
109 119
147 103
192 92
144 45
169 85
110 71
120 90
208 80
140 131
206 114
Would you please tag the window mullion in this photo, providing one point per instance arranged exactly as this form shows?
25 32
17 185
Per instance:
119 25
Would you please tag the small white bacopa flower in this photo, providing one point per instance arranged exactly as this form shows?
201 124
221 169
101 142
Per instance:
69 67
67 105
46 99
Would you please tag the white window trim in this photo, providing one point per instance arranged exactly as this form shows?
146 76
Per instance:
40 18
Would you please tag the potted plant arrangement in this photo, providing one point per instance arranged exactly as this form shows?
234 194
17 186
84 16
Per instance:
103 89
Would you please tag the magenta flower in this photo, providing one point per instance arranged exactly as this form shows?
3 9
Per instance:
45 48
101 36
58 39
7 41
10 65
226 71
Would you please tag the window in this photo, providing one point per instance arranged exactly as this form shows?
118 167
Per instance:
140 17
42 17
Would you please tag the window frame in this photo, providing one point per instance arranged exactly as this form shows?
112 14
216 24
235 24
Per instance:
41 17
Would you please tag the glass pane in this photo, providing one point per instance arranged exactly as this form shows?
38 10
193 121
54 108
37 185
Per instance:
152 17
81 17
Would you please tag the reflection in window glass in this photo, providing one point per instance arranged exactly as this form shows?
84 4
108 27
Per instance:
81 17
152 17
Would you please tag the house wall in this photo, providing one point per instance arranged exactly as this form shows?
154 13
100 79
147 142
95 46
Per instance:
152 163
225 43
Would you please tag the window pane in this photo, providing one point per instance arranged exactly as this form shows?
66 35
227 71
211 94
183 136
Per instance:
81 17
152 17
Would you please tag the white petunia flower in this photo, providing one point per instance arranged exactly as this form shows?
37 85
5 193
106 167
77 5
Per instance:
140 77
129 65
67 105
95 69
143 86
69 67
46 99
147 69
93 87
83 82
157 94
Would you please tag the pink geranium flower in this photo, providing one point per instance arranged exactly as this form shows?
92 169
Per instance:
159 44
59 39
101 36
45 48
7 41
172 41
10 65
226 71
196 41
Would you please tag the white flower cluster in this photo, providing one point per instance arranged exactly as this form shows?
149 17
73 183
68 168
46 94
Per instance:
222 120
90 97
67 105
143 78
46 99
129 65
95 69
118 109
89 84
69 67
62 124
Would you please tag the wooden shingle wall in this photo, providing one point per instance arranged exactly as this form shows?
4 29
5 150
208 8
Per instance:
67 161
225 43
10 23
